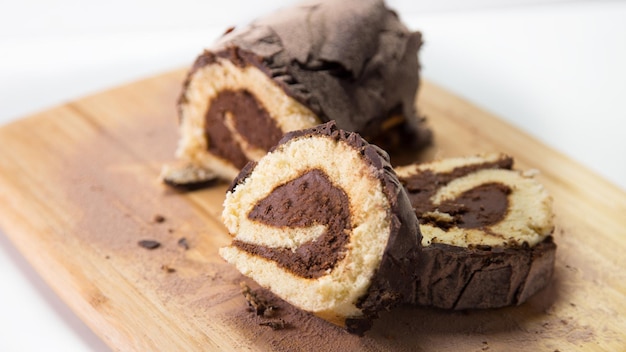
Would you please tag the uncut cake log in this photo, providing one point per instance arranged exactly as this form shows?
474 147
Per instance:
486 232
349 61
323 222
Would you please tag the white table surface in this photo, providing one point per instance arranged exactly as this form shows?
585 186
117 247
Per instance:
553 68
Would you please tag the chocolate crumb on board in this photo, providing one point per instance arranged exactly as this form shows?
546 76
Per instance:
158 218
168 269
259 306
149 244
275 324
186 177
183 243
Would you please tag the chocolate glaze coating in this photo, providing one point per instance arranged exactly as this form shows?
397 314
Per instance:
349 61
393 282
454 277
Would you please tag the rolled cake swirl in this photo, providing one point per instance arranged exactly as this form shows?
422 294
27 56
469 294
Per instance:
350 61
486 232
323 222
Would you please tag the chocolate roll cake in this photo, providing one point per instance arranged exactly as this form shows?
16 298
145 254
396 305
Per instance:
350 61
486 232
323 222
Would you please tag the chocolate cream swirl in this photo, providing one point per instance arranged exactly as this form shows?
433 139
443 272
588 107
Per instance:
308 200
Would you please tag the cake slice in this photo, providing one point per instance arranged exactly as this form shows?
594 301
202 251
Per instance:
486 232
323 223
350 61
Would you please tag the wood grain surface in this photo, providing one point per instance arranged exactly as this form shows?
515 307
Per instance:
79 189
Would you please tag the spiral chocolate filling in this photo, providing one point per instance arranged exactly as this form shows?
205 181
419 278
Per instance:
242 112
308 200
478 207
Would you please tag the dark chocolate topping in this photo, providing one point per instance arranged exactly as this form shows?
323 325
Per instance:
308 200
249 117
350 61
243 174
454 277
481 206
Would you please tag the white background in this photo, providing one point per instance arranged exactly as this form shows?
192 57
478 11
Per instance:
553 68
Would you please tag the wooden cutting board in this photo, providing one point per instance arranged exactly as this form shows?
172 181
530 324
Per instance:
79 188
